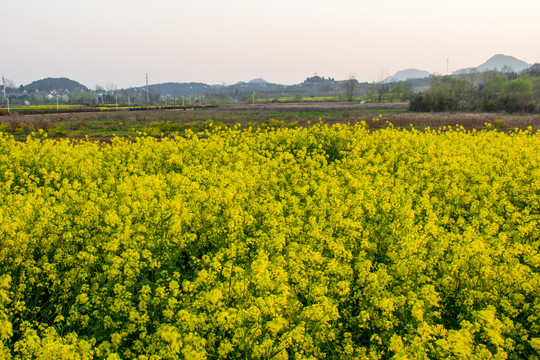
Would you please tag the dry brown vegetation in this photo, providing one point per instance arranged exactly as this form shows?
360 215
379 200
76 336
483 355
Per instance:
124 123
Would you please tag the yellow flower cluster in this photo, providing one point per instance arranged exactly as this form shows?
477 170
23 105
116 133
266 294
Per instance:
320 242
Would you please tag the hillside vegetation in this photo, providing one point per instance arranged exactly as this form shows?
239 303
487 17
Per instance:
55 84
490 91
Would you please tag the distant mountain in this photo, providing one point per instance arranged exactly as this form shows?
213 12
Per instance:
180 89
255 85
498 62
534 70
258 81
407 74
55 84
417 80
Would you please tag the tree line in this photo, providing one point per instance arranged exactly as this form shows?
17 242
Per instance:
490 91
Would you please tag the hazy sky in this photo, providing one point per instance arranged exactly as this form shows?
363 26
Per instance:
214 41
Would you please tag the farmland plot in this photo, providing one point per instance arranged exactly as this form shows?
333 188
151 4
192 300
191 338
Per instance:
320 242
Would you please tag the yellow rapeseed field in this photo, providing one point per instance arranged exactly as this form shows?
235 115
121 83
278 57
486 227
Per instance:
322 242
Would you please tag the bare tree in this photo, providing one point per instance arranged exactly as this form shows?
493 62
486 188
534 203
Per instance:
8 84
350 86
111 87
381 87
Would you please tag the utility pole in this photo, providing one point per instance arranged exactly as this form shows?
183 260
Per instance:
147 92
5 96
174 102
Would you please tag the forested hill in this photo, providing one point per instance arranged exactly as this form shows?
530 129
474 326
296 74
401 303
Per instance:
58 84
